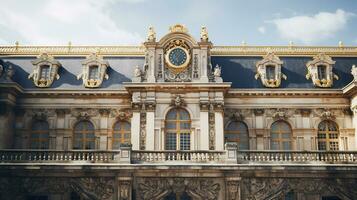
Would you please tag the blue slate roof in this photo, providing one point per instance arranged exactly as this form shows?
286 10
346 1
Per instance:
240 70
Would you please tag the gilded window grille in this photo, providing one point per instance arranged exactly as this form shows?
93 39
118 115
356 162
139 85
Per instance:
328 136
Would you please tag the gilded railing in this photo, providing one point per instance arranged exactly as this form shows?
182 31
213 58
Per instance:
240 50
90 156
179 156
305 157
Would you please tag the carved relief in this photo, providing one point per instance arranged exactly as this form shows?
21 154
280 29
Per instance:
142 130
84 113
178 101
320 70
94 71
269 71
233 190
212 130
89 188
325 114
280 113
122 115
159 188
124 190
45 70
276 188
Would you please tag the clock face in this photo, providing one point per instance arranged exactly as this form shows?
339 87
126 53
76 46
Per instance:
177 56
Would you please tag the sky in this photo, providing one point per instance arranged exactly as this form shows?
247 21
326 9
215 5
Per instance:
229 22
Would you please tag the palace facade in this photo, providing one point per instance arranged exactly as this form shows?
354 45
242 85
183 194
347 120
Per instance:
178 118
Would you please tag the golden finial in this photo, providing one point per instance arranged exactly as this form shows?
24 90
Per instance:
340 44
17 44
178 28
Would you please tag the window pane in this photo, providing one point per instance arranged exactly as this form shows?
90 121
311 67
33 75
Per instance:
270 72
171 125
185 141
321 71
93 72
280 135
328 135
45 72
237 131
171 141
185 125
84 136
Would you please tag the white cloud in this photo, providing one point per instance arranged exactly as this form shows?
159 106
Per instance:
261 29
309 29
60 21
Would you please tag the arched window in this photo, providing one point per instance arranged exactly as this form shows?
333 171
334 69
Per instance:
327 136
39 135
237 131
84 137
280 136
121 133
178 130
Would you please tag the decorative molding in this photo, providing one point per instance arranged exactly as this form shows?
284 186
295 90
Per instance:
121 115
142 142
159 188
233 189
124 191
93 60
312 67
211 127
236 114
178 28
44 61
258 112
40 114
88 188
325 114
84 113
280 113
139 50
178 101
270 60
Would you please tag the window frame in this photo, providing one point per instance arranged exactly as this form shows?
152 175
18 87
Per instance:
122 132
327 139
43 143
178 131
238 133
280 132
84 140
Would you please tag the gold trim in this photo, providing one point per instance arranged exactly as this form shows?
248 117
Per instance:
139 51
179 68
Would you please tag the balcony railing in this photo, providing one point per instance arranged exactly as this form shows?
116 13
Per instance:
90 156
179 156
128 156
303 157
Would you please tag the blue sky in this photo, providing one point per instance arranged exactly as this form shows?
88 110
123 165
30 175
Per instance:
120 22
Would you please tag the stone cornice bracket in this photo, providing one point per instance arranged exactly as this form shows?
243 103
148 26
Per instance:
321 60
269 70
178 101
94 71
150 106
121 115
84 113
45 70
325 114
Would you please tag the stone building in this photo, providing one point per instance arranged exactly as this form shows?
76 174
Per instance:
178 118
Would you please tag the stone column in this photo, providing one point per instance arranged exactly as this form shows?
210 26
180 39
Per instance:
103 133
219 126
135 127
204 127
354 120
150 127
124 188
151 64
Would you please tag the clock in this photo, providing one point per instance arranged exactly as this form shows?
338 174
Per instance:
177 58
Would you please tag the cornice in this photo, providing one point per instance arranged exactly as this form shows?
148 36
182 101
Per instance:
139 51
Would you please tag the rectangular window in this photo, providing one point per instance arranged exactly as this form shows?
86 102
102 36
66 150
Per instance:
322 72
270 72
45 72
185 141
93 72
170 141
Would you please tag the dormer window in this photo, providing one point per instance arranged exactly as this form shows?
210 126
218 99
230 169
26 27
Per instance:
269 71
94 71
320 71
45 70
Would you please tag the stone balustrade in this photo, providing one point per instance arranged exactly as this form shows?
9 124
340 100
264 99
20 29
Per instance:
91 156
180 156
303 157
127 156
